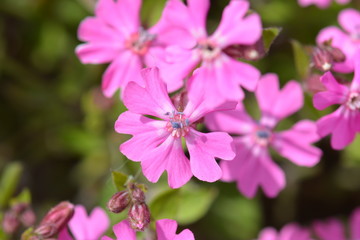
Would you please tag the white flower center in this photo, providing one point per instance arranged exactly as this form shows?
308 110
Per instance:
208 50
353 102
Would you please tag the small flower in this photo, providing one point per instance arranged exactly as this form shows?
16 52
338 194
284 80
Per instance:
157 143
320 3
347 41
344 122
115 36
291 231
253 167
165 230
333 229
84 227
222 73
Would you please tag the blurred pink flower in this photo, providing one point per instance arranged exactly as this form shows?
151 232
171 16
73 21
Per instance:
184 29
320 3
165 230
333 229
115 36
84 227
347 41
253 167
157 144
345 121
291 231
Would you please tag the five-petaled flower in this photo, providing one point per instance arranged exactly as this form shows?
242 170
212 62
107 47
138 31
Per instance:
222 74
345 121
157 144
252 166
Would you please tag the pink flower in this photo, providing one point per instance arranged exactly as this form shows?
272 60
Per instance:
157 143
291 231
321 3
347 41
333 229
84 227
186 24
253 166
165 230
345 121
115 36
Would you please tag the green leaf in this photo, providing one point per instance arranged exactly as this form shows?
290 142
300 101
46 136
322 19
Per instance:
302 59
119 180
269 35
185 205
23 197
166 204
9 181
195 202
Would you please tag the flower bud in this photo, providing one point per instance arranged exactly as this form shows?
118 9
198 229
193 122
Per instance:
28 217
138 196
322 59
247 52
10 222
139 216
119 201
180 101
56 219
337 54
47 230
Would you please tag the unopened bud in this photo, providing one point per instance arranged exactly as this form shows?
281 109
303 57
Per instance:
180 101
57 218
28 217
322 59
19 208
119 201
10 222
337 54
139 216
247 52
47 230
138 196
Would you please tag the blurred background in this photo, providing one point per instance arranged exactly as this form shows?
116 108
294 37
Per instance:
56 123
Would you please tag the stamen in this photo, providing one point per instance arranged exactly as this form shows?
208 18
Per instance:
263 136
139 42
178 124
208 50
354 101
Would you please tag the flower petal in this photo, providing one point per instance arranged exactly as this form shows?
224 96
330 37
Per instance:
152 99
268 234
167 156
199 10
332 229
93 29
248 28
123 69
295 144
203 148
355 85
123 231
96 53
64 234
355 224
349 19
166 230
293 231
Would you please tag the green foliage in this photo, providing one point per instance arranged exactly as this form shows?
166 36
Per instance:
9 182
269 35
186 205
302 59
119 180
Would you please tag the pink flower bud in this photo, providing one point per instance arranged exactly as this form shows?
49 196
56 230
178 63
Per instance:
119 201
139 216
28 217
180 100
137 195
56 219
10 222
337 54
248 52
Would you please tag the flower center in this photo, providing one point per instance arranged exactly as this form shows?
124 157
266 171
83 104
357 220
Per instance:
208 50
263 136
353 102
139 42
178 124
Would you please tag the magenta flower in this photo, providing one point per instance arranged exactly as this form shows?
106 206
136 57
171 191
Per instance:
347 41
344 122
84 227
253 166
333 229
186 24
320 3
157 143
291 231
165 230
115 36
